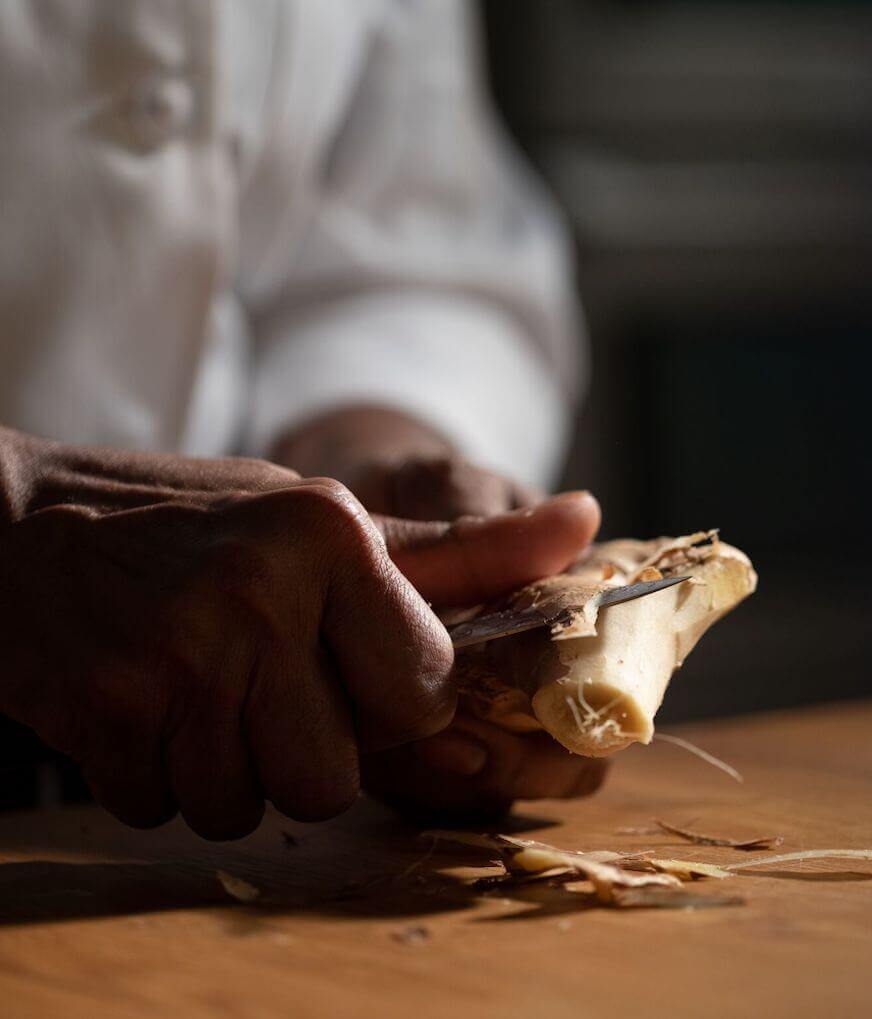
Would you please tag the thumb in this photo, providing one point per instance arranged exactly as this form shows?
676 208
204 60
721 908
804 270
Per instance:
479 558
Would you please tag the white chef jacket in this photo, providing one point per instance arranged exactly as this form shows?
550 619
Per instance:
221 217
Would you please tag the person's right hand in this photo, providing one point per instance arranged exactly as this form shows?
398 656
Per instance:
205 635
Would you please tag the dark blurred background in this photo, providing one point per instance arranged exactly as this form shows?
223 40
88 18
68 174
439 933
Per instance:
714 161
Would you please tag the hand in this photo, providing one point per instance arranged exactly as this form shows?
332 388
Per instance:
203 635
444 487
398 465
474 770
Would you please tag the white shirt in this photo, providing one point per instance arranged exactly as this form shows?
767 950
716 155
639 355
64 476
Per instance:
220 218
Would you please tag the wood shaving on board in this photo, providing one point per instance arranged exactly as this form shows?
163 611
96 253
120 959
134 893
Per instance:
699 839
685 870
703 755
237 888
651 898
525 861
623 880
805 854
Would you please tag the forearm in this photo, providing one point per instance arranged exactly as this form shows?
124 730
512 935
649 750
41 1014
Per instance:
36 474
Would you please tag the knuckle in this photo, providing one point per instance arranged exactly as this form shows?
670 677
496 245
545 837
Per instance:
331 497
325 503
329 488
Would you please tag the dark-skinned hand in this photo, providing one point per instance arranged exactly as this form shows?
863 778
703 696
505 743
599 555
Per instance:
204 635
397 464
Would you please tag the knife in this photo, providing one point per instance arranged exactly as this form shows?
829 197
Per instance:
511 621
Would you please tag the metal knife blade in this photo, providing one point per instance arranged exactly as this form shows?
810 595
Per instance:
511 621
616 595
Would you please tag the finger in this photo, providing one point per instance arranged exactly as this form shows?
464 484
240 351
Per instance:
299 727
422 779
413 786
475 560
532 766
128 779
115 736
389 652
210 768
392 654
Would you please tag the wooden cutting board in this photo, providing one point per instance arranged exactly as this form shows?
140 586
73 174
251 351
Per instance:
354 919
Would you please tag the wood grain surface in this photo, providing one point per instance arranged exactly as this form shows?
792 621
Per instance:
354 919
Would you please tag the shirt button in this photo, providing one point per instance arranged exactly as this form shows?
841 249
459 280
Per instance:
160 108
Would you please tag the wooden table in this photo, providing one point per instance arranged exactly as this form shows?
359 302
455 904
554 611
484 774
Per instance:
96 920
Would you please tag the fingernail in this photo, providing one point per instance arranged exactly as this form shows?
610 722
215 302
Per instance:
571 496
450 752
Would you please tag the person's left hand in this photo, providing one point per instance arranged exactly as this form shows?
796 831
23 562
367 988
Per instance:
438 487
398 465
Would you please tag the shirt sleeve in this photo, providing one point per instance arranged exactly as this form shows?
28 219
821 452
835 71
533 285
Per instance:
414 262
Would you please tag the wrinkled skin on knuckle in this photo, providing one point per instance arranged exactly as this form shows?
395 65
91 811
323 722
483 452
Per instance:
329 503
318 522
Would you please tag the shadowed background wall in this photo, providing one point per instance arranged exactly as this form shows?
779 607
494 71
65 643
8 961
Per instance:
714 161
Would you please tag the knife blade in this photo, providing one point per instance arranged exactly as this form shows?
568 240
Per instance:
510 621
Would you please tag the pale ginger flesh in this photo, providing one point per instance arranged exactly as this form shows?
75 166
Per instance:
596 682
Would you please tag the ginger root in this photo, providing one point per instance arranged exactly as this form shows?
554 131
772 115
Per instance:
595 681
